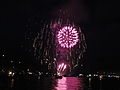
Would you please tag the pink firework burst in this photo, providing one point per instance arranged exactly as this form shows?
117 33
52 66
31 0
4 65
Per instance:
67 36
61 68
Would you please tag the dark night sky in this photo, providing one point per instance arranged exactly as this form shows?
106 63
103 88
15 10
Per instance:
101 28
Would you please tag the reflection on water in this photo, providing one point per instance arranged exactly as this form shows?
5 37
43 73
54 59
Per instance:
61 84
66 83
69 83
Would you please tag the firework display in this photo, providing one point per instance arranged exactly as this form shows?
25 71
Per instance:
57 43
67 37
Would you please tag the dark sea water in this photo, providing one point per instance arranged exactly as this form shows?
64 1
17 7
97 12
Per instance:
66 83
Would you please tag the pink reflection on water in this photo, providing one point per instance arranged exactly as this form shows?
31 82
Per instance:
61 84
69 83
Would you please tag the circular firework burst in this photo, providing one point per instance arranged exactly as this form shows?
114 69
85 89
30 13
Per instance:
67 36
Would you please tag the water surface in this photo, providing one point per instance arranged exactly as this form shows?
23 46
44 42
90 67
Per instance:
66 83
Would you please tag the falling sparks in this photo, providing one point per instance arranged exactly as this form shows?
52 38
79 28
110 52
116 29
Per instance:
58 43
61 43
